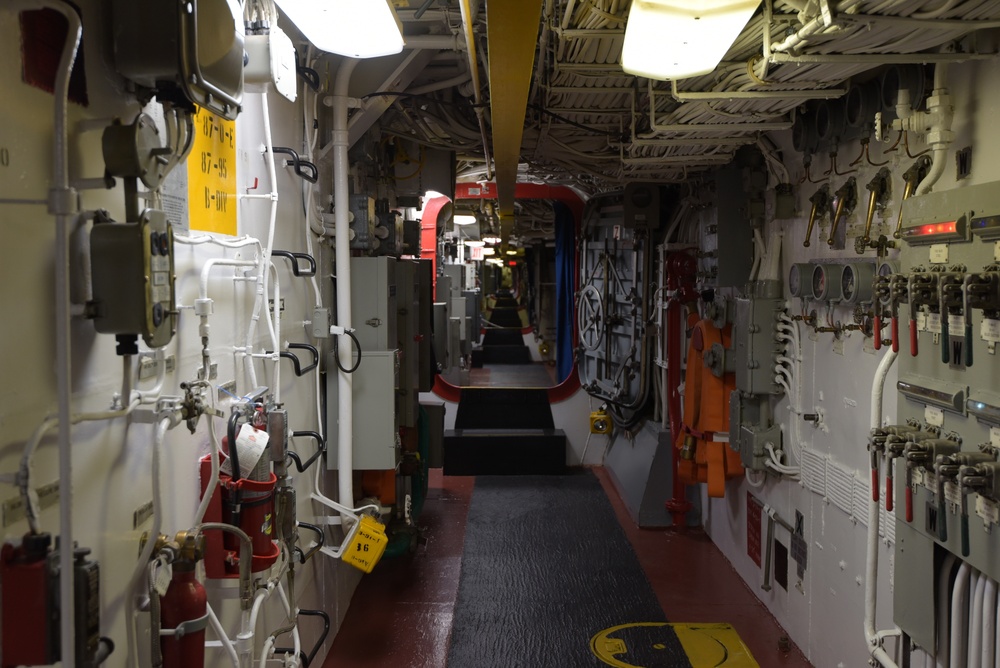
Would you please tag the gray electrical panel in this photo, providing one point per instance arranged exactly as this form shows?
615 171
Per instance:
425 287
376 427
472 315
948 295
435 422
456 272
441 334
442 292
754 338
373 302
408 321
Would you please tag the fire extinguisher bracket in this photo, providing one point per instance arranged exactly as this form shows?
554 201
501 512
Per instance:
190 626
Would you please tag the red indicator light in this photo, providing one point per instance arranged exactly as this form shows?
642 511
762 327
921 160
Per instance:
937 228
512 263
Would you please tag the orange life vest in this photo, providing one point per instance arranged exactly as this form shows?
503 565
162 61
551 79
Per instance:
706 412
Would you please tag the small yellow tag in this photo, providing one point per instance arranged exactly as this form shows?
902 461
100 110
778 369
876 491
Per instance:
368 545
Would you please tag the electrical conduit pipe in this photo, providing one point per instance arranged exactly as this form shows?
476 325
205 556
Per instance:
62 203
265 260
873 637
345 387
959 615
976 623
988 652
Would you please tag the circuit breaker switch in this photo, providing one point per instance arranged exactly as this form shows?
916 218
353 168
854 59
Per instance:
898 293
951 303
923 454
922 290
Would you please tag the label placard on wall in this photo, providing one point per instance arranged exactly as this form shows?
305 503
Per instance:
211 169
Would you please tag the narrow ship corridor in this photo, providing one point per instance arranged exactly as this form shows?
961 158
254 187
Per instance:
548 606
500 333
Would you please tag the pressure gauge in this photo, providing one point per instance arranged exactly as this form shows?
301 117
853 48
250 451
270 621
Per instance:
826 282
857 282
886 269
798 277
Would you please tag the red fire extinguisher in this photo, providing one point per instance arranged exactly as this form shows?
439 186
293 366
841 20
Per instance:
184 612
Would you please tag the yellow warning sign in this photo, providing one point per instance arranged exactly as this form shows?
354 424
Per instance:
368 545
706 645
211 167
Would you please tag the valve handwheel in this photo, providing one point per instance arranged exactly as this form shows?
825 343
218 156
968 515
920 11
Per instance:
590 317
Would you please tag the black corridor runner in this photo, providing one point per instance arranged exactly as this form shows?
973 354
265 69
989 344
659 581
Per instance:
546 566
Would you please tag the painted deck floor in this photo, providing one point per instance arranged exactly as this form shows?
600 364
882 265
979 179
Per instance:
401 615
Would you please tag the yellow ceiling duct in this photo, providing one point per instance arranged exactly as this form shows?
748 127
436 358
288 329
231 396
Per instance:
512 30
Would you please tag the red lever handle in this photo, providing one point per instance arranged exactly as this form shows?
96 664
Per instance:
878 333
913 337
888 492
875 485
909 503
894 325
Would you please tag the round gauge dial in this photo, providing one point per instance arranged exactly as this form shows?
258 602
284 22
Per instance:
856 283
826 282
798 277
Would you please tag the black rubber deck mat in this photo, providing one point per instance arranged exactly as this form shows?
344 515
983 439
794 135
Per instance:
505 317
504 452
506 354
545 568
503 336
504 408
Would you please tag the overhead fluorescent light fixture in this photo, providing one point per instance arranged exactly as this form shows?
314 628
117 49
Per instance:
491 239
472 243
489 251
465 219
355 28
676 39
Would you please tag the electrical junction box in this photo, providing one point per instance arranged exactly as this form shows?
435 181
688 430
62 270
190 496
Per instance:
373 302
747 434
132 269
390 224
270 59
376 427
363 223
642 205
757 347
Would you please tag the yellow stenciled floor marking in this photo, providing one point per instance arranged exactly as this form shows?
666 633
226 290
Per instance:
706 645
